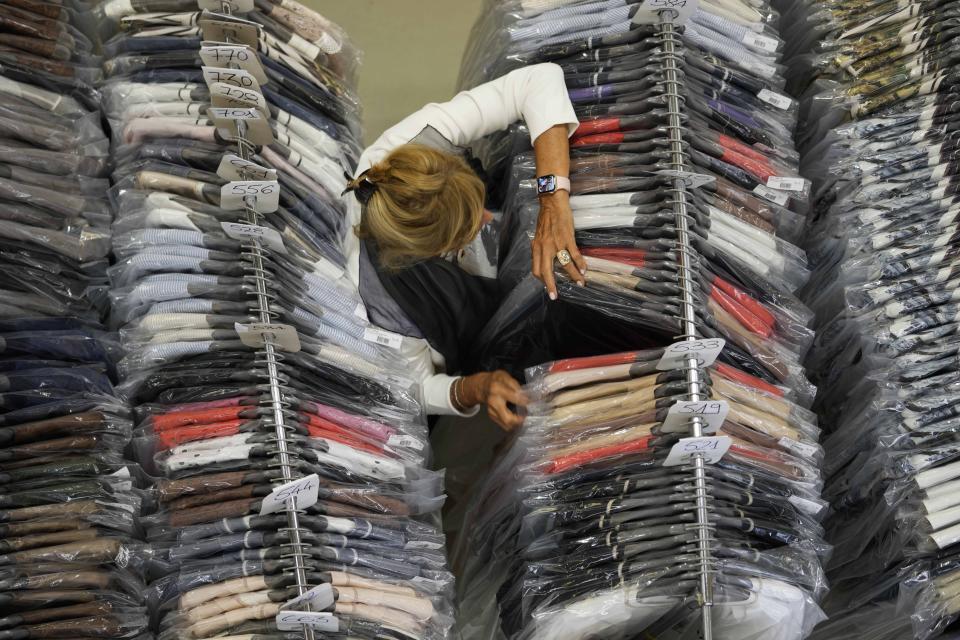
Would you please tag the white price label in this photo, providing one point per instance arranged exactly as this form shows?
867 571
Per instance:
240 78
649 11
706 351
225 95
269 237
217 54
785 183
711 412
123 474
801 449
775 99
382 337
294 620
257 334
263 195
303 492
218 27
772 195
764 43
408 442
710 448
233 167
236 6
320 597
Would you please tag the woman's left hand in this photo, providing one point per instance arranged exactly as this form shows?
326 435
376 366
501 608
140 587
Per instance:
555 233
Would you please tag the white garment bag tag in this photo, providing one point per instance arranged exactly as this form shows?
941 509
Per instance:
710 448
256 335
711 412
787 183
263 195
383 337
649 11
706 351
269 237
774 196
236 6
241 56
778 100
294 620
233 167
303 491
320 597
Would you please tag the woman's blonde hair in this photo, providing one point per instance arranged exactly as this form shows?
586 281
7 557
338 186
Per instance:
423 203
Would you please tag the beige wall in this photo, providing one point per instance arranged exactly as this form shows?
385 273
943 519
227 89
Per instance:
412 51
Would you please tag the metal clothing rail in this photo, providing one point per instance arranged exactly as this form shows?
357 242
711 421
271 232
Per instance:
269 358
688 262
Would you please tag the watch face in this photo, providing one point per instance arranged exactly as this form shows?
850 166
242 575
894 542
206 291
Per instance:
547 184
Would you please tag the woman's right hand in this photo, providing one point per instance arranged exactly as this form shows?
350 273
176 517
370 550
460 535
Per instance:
496 389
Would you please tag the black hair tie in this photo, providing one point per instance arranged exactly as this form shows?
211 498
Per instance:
363 190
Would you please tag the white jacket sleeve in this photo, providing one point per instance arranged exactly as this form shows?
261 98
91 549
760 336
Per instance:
536 94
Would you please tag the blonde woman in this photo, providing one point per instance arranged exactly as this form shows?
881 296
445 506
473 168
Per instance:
417 202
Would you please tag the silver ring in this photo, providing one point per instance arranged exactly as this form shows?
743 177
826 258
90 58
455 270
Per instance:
563 257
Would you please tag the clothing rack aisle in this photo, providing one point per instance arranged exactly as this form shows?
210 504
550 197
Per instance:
879 86
598 521
70 563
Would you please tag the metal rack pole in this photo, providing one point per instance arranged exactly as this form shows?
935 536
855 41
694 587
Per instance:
276 396
688 320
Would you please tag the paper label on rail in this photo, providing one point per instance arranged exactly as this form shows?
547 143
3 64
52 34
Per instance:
256 335
219 27
294 620
320 597
303 491
777 100
691 179
649 11
240 78
228 96
774 196
241 56
256 128
710 448
269 237
712 413
262 195
383 337
236 6
676 355
233 167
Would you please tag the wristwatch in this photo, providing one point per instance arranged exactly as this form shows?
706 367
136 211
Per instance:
551 183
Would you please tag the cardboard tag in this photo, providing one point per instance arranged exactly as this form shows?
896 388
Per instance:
711 412
710 448
233 167
256 335
240 78
262 195
706 351
772 195
236 6
777 100
383 337
223 95
219 27
786 183
649 11
692 180
240 231
255 128
240 56
303 491
320 597
294 620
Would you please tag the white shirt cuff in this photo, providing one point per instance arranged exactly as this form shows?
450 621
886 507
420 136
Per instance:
436 396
